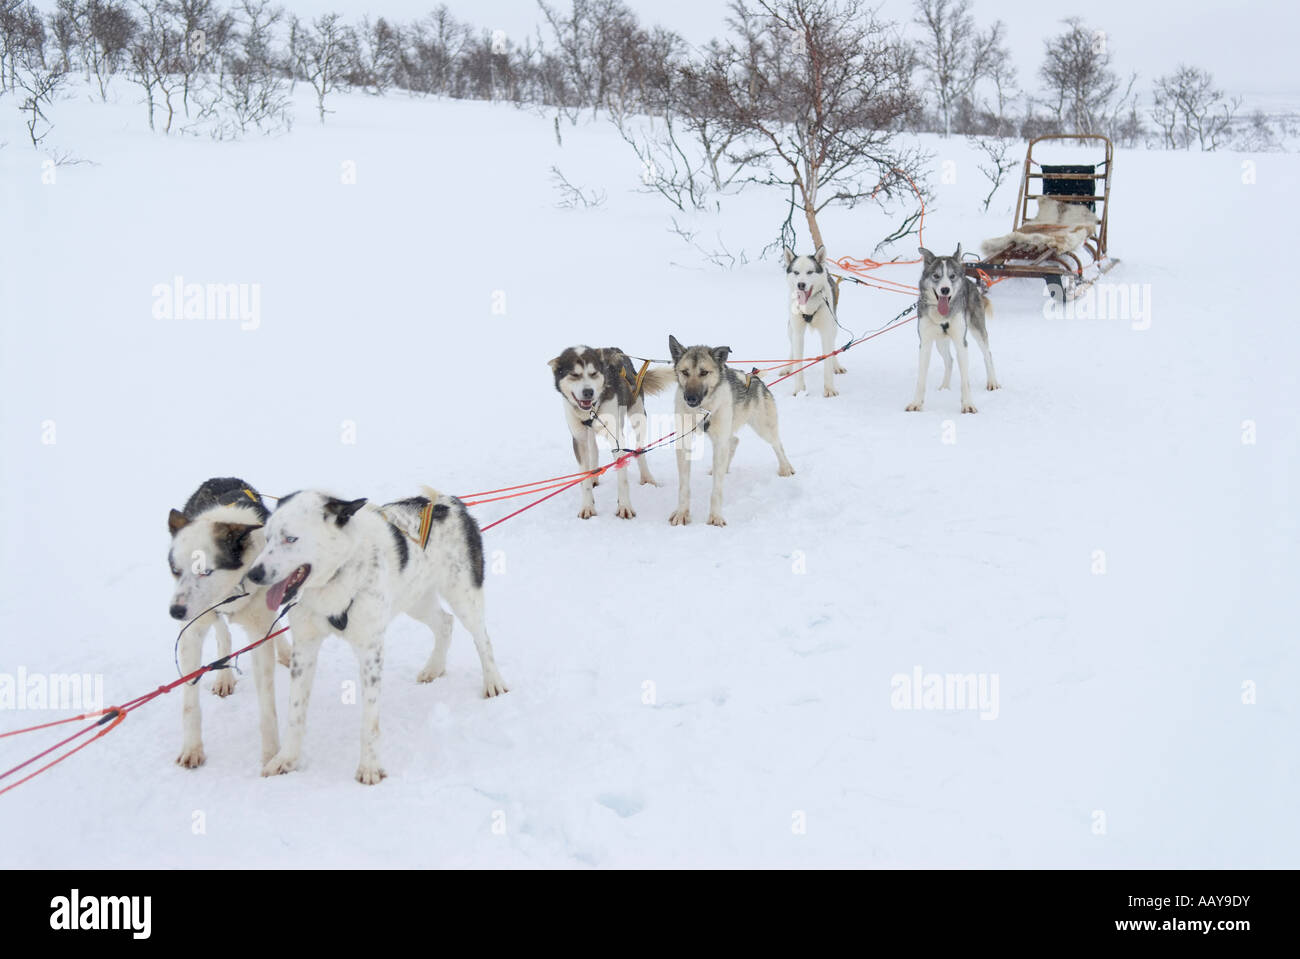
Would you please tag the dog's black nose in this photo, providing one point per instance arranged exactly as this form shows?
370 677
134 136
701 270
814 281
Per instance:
177 611
944 290
802 285
692 401
588 393
257 573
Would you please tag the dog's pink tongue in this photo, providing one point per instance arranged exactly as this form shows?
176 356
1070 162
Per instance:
275 594
944 305
803 296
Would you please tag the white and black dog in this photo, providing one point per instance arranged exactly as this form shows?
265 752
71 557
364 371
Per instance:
600 392
949 306
214 540
354 567
814 297
707 385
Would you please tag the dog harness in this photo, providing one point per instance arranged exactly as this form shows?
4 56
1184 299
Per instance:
640 378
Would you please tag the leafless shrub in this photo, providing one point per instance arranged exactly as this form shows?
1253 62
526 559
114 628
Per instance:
957 56
719 256
1084 93
22 42
811 94
322 53
1187 108
37 85
574 197
996 163
1258 135
253 91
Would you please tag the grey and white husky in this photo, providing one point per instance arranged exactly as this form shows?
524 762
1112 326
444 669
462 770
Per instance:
600 395
706 385
949 306
354 567
214 540
814 298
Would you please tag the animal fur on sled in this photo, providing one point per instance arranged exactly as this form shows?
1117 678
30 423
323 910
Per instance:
1057 226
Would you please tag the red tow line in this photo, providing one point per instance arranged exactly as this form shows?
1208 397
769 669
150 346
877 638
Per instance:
110 718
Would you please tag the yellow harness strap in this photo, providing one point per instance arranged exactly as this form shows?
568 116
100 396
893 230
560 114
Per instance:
640 378
426 524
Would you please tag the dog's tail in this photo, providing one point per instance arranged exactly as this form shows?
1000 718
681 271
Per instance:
657 379
988 306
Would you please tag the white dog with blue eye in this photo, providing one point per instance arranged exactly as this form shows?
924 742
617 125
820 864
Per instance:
353 567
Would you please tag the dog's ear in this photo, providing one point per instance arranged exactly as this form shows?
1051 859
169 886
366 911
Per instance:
554 364
720 354
789 256
342 510
820 255
929 257
176 521
957 256
674 348
235 534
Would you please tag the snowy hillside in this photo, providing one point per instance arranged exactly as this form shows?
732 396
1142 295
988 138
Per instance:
1103 544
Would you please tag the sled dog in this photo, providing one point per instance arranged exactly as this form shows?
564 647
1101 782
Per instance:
814 298
213 542
353 567
706 385
599 388
950 304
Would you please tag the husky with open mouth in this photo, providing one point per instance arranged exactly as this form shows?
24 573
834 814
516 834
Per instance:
949 305
213 542
600 392
352 567
814 297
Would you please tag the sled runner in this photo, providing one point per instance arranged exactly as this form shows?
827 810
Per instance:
1064 242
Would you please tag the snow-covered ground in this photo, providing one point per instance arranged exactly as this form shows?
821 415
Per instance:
694 696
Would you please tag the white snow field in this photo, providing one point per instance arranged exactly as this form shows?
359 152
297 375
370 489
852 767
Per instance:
1111 540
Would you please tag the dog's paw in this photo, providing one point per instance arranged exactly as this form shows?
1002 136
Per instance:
430 673
798 388
715 519
191 757
993 385
831 391
279 764
494 685
840 369
224 684
625 512
786 470
968 408
680 518
370 774
912 408
587 512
